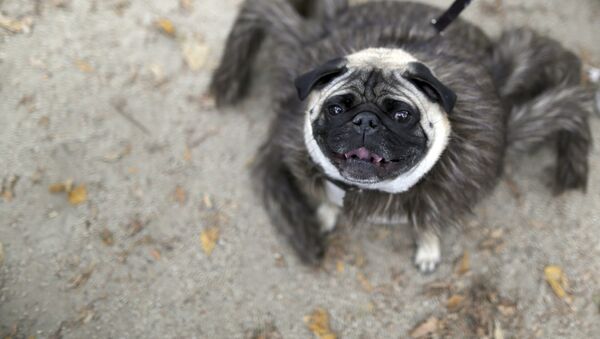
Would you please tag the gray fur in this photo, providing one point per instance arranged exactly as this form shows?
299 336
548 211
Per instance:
515 98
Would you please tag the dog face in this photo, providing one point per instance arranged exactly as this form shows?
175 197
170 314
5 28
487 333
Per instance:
376 119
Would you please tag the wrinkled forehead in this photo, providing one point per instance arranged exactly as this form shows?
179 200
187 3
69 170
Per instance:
374 74
370 84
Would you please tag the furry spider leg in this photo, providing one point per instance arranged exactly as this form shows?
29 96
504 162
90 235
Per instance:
547 102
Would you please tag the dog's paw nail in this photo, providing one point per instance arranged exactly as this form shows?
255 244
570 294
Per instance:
427 266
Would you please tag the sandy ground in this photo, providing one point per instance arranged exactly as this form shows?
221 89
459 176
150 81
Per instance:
97 94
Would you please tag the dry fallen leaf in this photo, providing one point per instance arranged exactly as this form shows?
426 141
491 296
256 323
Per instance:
82 278
78 195
84 66
455 302
426 328
65 186
187 154
61 3
507 310
359 258
135 227
464 265
318 323
207 201
339 266
166 26
437 288
180 195
207 101
107 237
118 155
57 188
557 281
494 241
186 4
86 315
195 53
208 239
498 332
280 260
364 282
7 188
155 254
16 25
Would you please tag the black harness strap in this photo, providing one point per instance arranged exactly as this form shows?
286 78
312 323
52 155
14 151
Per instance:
450 15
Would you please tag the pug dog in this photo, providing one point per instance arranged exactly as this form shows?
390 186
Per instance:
378 115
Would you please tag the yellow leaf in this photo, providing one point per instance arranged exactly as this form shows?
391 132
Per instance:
507 310
464 265
364 282
166 26
425 328
455 302
187 154
15 25
498 332
155 254
83 277
84 66
207 201
180 195
557 281
318 323
208 239
186 4
60 187
107 237
195 54
78 195
8 196
339 265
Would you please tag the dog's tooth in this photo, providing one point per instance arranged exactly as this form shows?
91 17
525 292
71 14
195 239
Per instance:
376 158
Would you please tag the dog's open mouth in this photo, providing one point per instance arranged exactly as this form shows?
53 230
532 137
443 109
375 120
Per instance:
365 155
364 165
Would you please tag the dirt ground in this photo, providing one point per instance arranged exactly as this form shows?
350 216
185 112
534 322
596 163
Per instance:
96 92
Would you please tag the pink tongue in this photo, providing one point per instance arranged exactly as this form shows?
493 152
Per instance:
364 154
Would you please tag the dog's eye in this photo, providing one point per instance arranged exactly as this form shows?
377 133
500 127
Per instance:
402 116
348 100
335 109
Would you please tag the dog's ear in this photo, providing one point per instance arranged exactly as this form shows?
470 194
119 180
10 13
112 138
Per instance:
421 76
319 76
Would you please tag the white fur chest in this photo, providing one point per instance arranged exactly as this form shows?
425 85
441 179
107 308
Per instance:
334 193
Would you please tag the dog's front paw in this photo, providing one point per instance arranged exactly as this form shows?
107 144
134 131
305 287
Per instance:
227 91
428 254
311 252
328 217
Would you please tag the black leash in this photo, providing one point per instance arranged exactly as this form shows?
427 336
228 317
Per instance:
450 15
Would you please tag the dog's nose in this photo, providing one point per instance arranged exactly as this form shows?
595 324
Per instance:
365 123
